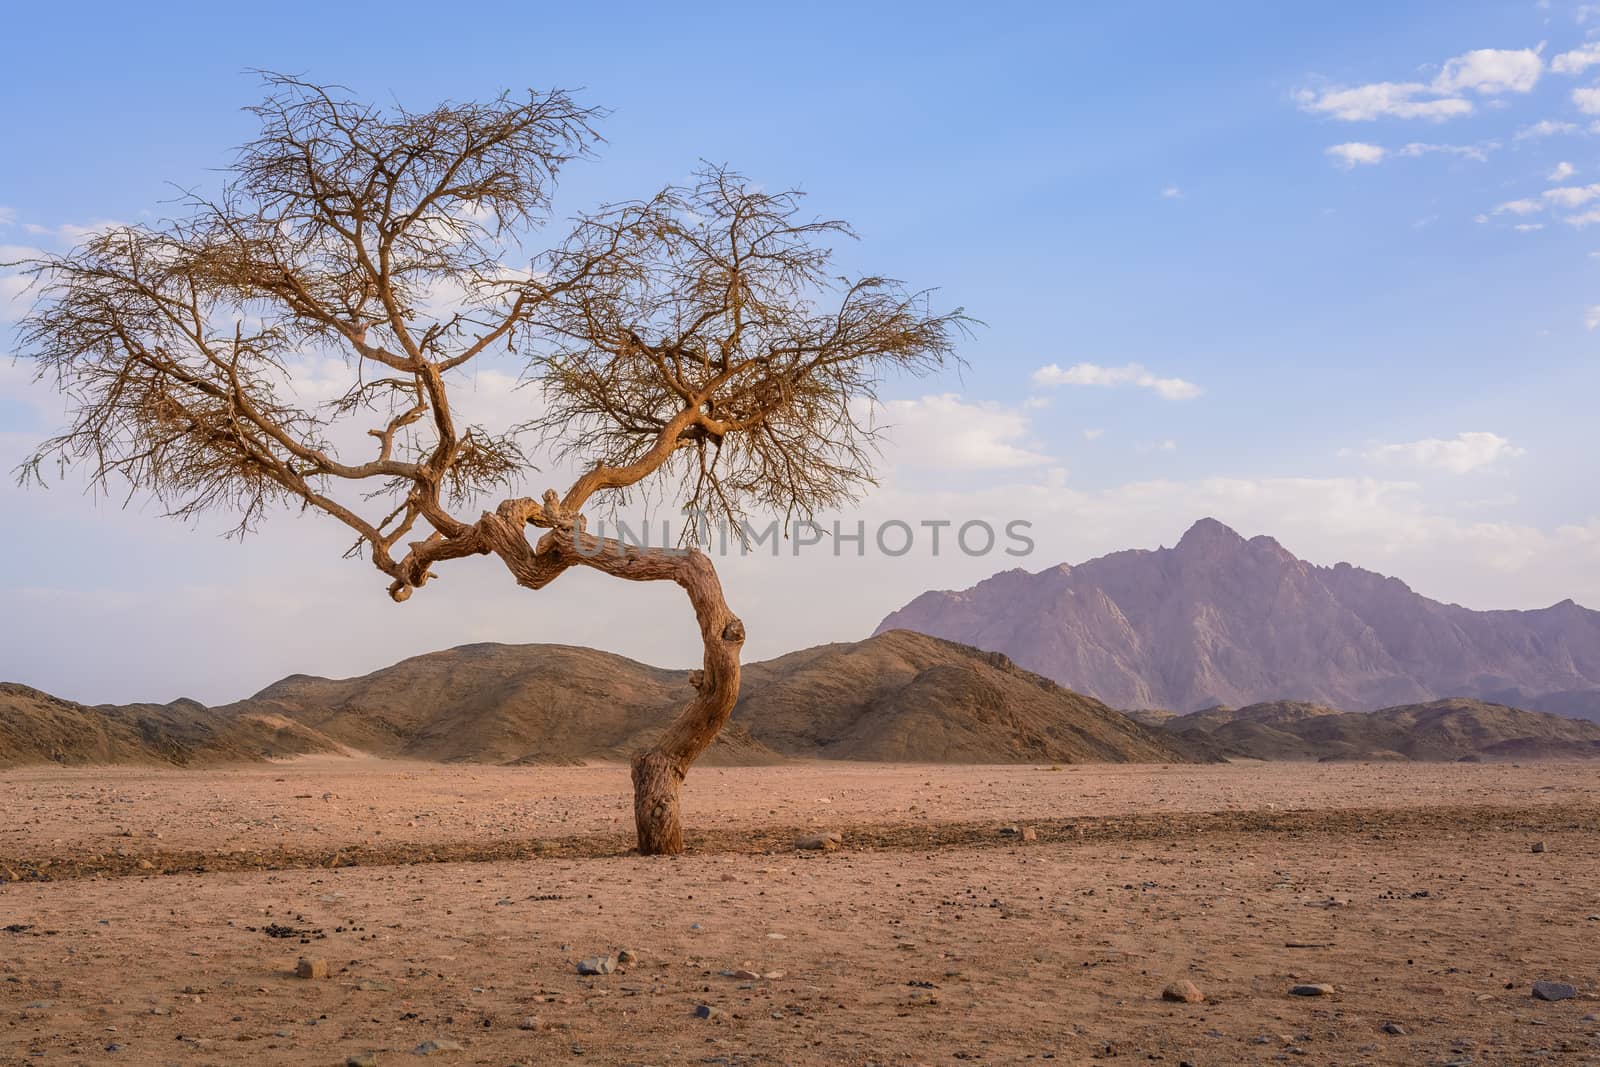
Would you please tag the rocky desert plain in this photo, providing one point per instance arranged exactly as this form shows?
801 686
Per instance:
347 910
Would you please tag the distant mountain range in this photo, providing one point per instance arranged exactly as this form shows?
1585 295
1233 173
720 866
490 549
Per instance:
1440 730
901 696
1221 620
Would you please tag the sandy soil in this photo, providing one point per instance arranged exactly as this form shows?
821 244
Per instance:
930 938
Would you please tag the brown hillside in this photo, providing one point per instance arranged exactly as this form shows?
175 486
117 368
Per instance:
38 728
1452 729
898 696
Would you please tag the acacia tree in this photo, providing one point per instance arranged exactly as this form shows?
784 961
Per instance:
695 341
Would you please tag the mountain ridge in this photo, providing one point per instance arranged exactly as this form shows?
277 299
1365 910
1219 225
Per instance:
902 696
1221 619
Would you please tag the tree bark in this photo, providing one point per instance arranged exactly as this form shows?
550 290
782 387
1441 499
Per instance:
658 772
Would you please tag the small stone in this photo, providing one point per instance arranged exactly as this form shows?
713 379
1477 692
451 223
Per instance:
1554 991
820 842
530 1023
1311 989
1394 1028
1537 846
744 974
1183 991
1009 831
309 967
706 1011
1030 834
146 865
773 976
597 965
627 955
362 1059
436 1046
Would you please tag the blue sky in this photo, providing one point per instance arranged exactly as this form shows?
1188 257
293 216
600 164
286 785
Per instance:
1347 347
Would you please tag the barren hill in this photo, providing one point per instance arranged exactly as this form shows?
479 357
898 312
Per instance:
36 727
1218 619
898 696
1454 729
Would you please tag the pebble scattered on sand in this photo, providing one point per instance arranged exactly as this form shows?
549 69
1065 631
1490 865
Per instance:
310 967
1554 991
1311 989
1183 991
435 1046
824 842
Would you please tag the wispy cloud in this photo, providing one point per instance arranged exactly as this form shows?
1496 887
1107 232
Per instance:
1353 154
1462 454
1400 100
948 432
1578 60
1133 374
1544 128
1483 71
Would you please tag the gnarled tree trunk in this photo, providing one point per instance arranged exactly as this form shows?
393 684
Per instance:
658 773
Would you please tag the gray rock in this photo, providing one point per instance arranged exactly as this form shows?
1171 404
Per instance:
1311 989
597 965
436 1046
530 1023
311 968
362 1059
1537 846
1395 1029
706 1011
1554 991
627 955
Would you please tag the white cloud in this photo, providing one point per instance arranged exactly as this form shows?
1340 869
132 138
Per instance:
1591 318
1459 455
1578 60
1561 172
1545 128
1355 153
1572 195
1171 192
1587 218
8 216
1128 374
1478 152
946 432
1364 103
1359 153
1093 434
1528 227
1490 71
1526 206
1587 100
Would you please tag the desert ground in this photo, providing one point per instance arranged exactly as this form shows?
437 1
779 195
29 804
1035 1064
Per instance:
158 916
